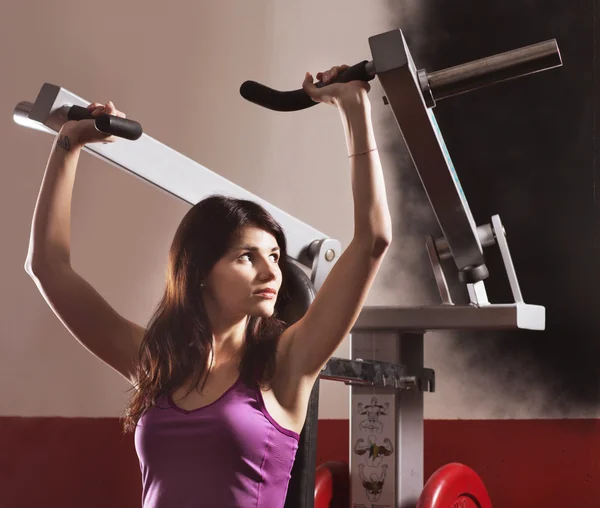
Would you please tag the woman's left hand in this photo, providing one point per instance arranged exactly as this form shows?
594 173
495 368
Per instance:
335 94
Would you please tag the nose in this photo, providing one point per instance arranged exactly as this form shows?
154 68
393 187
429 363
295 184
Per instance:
268 271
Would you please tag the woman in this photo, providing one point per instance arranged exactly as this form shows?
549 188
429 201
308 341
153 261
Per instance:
221 386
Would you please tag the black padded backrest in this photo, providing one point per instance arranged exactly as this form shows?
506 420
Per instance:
301 491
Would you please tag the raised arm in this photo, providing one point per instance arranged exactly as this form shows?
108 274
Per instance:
312 340
83 311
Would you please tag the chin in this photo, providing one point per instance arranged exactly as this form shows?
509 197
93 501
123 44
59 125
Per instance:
263 311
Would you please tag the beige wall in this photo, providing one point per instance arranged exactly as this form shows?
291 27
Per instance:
177 70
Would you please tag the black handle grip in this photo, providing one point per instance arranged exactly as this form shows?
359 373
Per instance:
298 99
109 124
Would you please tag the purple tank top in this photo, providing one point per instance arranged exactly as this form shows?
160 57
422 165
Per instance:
227 454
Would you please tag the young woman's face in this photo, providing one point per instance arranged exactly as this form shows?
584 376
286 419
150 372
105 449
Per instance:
246 280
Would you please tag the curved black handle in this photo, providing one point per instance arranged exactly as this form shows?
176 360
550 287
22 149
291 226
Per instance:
298 99
109 124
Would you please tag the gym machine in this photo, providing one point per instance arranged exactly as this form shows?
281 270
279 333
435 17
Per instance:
386 370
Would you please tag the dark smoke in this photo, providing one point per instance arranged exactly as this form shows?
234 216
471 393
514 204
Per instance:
525 150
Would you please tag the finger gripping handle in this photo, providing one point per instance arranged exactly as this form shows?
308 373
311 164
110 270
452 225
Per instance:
297 100
109 124
357 72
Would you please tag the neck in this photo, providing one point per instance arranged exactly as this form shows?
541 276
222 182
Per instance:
228 339
228 333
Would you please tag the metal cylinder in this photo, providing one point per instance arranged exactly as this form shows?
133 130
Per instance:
484 233
494 69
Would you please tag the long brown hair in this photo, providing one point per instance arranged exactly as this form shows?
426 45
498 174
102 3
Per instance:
178 339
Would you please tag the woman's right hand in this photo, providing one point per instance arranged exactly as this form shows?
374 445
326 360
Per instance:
336 94
82 132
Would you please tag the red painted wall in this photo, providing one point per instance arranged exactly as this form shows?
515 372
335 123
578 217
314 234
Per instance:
76 462
67 463
523 463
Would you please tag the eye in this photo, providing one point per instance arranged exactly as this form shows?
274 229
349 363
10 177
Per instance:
246 256
275 257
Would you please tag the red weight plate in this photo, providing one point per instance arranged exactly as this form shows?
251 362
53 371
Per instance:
323 487
332 485
454 486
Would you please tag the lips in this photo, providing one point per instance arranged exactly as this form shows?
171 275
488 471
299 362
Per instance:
266 291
